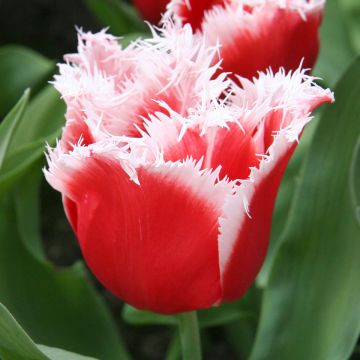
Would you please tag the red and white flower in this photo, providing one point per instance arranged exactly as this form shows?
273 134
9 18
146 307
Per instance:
169 173
256 34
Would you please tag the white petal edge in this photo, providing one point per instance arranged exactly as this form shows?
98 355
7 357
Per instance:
294 93
233 16
132 154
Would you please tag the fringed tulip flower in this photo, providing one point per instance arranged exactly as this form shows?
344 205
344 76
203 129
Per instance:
169 172
255 35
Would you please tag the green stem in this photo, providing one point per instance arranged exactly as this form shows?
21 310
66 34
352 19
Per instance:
189 336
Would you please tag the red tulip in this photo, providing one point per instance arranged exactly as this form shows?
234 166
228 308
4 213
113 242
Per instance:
175 215
255 35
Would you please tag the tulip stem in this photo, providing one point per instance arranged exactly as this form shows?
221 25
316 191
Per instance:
189 336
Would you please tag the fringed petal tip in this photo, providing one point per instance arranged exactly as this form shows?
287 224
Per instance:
255 34
194 12
110 90
128 153
295 94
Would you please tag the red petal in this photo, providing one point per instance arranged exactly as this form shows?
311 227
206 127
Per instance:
251 245
153 245
151 10
282 39
75 130
165 131
194 15
234 150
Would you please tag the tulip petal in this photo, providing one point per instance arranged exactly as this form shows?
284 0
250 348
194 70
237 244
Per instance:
193 11
76 130
154 245
246 219
269 34
235 151
165 131
241 262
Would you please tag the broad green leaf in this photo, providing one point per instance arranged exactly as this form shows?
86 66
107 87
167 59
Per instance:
336 52
56 307
43 117
352 12
121 17
9 124
20 68
40 124
355 179
60 354
15 344
19 162
27 196
311 307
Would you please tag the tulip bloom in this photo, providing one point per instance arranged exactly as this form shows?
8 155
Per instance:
255 35
169 172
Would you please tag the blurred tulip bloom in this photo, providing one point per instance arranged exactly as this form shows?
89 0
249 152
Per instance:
255 35
169 172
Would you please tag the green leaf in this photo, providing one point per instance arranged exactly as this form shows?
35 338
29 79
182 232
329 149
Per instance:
355 179
20 68
57 308
19 162
118 15
43 118
40 124
8 126
60 354
27 196
352 12
142 317
15 344
222 315
311 307
336 52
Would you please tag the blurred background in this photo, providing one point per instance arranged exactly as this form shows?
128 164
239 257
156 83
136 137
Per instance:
47 26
